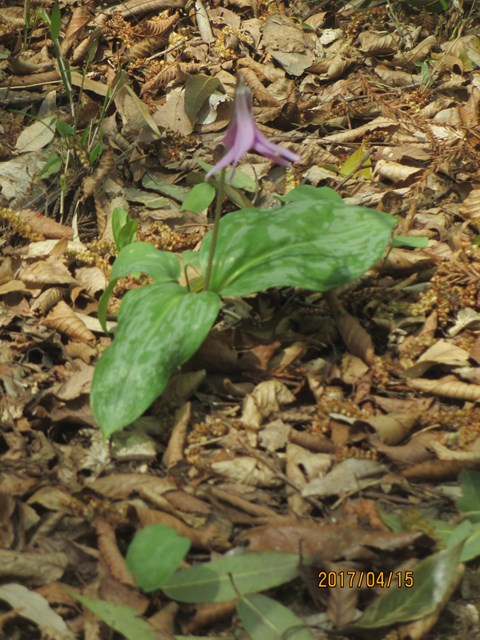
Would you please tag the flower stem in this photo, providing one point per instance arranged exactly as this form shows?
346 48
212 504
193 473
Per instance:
216 225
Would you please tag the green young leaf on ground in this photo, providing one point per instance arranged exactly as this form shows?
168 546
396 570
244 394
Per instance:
155 554
469 533
249 572
309 192
358 162
149 199
266 619
124 228
416 242
432 579
318 243
239 180
122 618
139 257
51 167
469 503
55 21
160 327
174 191
200 198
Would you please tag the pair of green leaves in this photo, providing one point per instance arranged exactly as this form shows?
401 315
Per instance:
315 241
154 557
157 551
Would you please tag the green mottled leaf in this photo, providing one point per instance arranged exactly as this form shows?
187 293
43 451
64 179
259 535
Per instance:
155 554
432 580
159 328
200 198
120 617
266 619
250 572
139 257
315 244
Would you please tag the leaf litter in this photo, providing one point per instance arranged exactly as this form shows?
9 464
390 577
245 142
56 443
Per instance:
306 423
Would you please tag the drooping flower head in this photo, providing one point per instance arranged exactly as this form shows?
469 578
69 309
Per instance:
243 135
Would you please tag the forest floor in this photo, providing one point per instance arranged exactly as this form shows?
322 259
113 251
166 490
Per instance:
344 428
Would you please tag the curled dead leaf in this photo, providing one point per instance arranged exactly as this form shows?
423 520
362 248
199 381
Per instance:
66 321
394 427
434 470
356 339
47 299
449 387
44 272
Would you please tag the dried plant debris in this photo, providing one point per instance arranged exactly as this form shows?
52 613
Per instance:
341 430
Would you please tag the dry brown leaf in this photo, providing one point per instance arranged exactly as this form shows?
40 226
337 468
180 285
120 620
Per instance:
145 47
444 453
110 553
378 124
342 601
394 427
157 25
64 319
47 227
470 208
94 183
348 476
44 272
262 71
163 621
140 7
432 470
284 40
12 285
324 541
78 383
247 470
417 54
356 339
443 353
267 398
81 350
377 43
33 567
401 261
81 16
301 466
176 444
121 486
92 278
208 614
395 172
210 537
449 387
258 90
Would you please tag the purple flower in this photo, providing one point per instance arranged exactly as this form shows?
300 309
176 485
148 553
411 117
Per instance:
243 135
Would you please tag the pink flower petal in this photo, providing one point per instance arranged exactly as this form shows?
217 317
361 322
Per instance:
243 135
